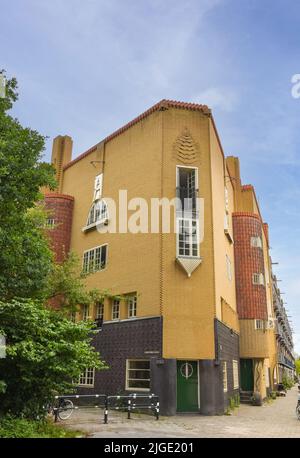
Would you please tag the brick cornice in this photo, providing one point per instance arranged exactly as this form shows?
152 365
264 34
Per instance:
246 214
56 195
162 105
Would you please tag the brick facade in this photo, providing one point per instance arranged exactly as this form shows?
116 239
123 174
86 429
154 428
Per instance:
227 350
251 299
116 342
60 207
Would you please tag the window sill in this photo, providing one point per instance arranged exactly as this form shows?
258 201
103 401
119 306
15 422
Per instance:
93 226
228 235
145 390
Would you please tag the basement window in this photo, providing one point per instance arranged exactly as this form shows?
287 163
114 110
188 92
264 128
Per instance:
138 374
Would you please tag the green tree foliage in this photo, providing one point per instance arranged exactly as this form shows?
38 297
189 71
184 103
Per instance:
46 353
25 258
67 287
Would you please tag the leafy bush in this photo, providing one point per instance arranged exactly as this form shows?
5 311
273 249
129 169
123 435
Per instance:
287 382
45 353
22 428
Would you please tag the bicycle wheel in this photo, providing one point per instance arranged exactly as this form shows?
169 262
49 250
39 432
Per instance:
65 410
298 411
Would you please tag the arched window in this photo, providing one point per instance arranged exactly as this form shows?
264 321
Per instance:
98 213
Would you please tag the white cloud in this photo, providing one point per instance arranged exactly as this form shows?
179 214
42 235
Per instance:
224 99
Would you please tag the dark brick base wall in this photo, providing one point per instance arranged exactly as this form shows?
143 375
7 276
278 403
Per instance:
227 349
143 339
120 341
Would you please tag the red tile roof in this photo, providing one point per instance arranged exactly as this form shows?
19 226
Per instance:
163 104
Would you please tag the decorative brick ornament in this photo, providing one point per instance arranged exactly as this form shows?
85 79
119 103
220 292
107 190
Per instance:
185 149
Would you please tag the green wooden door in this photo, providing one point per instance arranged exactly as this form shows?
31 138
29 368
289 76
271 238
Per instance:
187 386
246 374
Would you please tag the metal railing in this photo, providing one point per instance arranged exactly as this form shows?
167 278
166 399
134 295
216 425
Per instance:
126 403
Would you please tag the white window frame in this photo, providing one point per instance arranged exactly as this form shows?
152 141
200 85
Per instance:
256 242
132 306
226 199
229 267
225 380
86 313
258 279
73 316
87 378
127 385
191 243
235 371
178 167
93 253
98 215
115 310
226 222
99 306
98 185
50 223
259 325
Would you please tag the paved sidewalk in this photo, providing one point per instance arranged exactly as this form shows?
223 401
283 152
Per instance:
274 419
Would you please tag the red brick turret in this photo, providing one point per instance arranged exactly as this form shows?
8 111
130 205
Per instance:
251 298
60 207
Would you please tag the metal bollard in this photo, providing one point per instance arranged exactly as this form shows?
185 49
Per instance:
55 410
106 411
157 410
128 409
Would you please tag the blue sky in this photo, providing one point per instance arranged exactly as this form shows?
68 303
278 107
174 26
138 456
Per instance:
86 68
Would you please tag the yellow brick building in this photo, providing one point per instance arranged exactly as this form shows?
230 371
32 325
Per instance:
174 329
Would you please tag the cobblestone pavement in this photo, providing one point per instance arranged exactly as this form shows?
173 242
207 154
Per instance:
274 419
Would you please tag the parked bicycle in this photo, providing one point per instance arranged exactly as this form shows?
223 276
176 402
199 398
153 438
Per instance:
63 410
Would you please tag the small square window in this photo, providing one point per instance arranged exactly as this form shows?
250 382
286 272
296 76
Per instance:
50 223
258 279
256 242
259 324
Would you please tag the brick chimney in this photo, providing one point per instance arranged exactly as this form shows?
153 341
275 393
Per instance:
61 155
